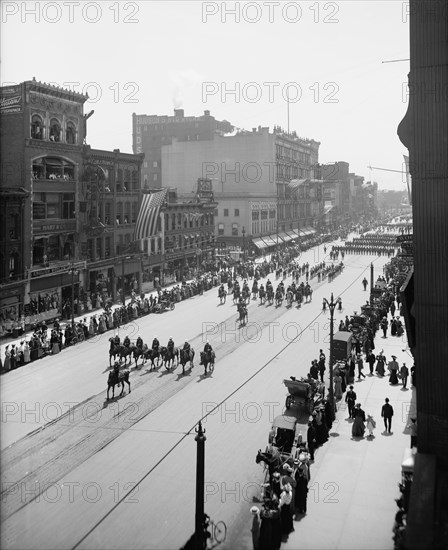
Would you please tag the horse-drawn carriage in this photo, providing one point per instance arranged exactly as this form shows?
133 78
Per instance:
163 305
305 394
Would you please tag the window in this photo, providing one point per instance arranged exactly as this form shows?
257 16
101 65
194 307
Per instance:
237 212
55 130
37 127
255 215
154 164
107 247
138 129
220 229
234 229
145 164
226 212
154 177
139 140
272 214
53 205
68 206
39 208
70 133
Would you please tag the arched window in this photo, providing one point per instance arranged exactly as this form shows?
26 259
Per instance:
70 133
37 127
55 130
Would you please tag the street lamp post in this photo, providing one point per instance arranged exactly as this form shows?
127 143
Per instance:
244 243
200 471
123 293
331 306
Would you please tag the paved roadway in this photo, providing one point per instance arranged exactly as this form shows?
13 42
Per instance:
122 474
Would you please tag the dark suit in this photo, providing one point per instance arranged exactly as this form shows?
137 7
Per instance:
387 413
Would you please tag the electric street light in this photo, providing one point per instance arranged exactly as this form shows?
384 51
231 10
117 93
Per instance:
331 306
244 243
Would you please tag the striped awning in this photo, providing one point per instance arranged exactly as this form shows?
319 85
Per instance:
293 234
259 243
285 237
269 241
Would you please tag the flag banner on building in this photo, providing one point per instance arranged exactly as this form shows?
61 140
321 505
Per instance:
294 184
148 215
408 178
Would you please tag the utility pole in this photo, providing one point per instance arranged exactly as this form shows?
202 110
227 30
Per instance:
200 472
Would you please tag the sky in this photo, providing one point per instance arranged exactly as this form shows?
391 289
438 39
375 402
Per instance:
240 60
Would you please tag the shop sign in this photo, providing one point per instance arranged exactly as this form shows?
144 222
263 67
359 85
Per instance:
11 100
68 226
57 269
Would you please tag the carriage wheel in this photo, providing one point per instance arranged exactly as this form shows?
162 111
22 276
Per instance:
172 306
219 531
288 402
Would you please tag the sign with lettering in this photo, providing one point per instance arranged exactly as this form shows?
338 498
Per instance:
10 100
65 268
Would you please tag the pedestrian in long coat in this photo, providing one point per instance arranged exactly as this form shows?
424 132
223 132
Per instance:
311 439
404 373
358 427
393 371
338 386
285 511
26 353
301 495
381 360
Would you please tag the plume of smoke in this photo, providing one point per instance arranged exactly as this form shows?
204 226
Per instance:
183 83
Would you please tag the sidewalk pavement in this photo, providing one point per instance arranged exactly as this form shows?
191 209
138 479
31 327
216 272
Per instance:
354 483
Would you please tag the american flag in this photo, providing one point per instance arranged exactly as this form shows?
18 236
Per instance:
148 215
294 184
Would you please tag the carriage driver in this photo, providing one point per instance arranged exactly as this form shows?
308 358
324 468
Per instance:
155 344
126 342
170 345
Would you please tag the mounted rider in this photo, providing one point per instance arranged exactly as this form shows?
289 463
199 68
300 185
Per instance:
155 344
126 342
170 345
208 348
139 342
117 341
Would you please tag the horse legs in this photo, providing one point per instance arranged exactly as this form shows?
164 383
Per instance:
122 388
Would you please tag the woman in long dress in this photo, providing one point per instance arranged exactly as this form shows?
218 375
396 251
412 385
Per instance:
26 353
393 377
338 386
381 360
7 364
358 427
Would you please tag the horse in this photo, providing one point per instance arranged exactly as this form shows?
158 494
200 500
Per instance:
278 298
222 295
125 352
140 352
308 293
114 350
152 354
186 357
168 356
116 377
243 315
208 359
271 458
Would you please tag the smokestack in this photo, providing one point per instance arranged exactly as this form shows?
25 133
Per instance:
206 113
179 113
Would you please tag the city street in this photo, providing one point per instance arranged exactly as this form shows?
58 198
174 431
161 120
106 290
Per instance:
122 473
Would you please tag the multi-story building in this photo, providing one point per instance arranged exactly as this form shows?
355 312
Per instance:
185 235
252 174
42 131
60 235
111 193
151 132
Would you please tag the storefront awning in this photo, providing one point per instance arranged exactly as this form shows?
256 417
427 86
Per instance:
328 208
269 241
307 231
284 236
259 243
292 234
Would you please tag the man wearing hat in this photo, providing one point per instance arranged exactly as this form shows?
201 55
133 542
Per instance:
350 399
255 529
387 413
404 373
311 439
